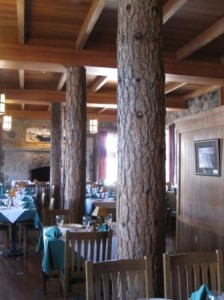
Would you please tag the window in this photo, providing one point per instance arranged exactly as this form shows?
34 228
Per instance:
111 158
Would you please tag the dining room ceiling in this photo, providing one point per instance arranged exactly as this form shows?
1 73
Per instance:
39 39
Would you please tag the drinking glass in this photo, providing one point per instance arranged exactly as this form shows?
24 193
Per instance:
108 219
86 221
59 220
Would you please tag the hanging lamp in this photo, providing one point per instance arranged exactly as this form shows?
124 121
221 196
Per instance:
93 126
2 95
7 123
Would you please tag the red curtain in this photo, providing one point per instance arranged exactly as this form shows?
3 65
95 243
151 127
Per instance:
171 152
102 156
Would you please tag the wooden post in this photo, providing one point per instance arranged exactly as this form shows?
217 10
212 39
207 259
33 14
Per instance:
141 134
75 143
55 158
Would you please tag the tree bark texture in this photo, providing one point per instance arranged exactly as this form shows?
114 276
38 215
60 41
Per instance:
75 151
55 158
141 133
62 186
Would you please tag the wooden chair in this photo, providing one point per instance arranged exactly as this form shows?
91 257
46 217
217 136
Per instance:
48 218
52 203
6 235
79 247
27 229
184 273
171 209
129 278
49 215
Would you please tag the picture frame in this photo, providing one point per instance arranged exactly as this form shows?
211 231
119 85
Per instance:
38 135
207 157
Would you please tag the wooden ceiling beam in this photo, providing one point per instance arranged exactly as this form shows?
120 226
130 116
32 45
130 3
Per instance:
221 96
46 115
173 86
61 82
100 81
175 103
171 7
200 91
13 58
46 96
89 22
21 79
202 39
20 4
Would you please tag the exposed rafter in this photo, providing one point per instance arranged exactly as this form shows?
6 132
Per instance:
21 79
100 81
171 7
89 22
202 39
173 86
61 82
21 20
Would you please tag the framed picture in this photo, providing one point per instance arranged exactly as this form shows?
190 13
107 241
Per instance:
207 154
38 135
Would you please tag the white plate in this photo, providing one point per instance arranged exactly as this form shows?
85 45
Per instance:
74 225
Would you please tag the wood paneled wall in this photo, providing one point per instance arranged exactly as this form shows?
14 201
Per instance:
200 199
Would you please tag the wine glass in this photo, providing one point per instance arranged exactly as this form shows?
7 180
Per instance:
108 219
59 220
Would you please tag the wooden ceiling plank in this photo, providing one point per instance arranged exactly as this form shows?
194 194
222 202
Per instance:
173 86
202 39
200 91
221 96
21 78
89 22
101 80
171 7
20 4
61 82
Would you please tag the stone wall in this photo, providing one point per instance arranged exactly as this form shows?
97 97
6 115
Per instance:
20 156
196 105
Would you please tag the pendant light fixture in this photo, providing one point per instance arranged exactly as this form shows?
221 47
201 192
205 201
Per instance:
7 123
2 95
93 126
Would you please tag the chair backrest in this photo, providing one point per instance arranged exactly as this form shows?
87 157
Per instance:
81 246
129 278
52 203
184 273
171 199
49 215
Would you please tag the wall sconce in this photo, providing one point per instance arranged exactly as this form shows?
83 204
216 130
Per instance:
93 126
2 104
7 123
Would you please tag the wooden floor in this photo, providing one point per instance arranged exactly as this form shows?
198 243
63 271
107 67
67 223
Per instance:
20 277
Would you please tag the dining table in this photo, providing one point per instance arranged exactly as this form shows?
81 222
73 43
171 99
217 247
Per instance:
52 243
18 209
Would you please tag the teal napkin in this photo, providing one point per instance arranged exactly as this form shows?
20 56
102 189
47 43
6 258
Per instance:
28 205
53 232
202 293
28 192
103 227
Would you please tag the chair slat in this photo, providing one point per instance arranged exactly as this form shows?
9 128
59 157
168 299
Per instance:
128 279
199 268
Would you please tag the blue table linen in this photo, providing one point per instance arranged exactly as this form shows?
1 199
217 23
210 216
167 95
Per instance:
202 293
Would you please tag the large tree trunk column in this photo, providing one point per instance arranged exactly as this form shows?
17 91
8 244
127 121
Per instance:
55 158
75 151
141 133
